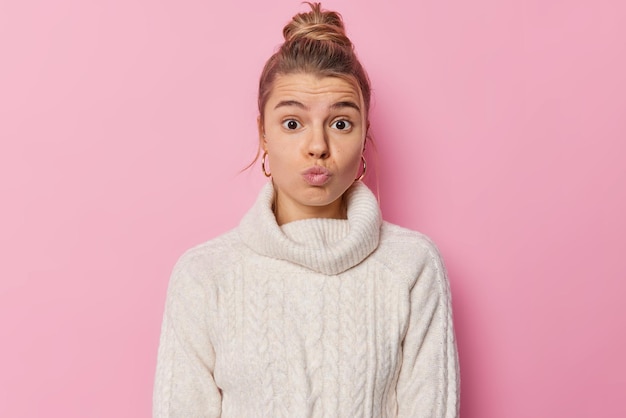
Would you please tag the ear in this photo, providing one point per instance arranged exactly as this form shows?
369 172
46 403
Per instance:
367 135
262 140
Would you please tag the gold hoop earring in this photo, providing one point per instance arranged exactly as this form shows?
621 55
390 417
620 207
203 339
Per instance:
263 165
364 168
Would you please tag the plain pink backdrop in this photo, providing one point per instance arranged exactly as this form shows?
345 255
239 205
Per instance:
501 134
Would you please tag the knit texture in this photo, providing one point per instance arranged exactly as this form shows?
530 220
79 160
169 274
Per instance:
317 318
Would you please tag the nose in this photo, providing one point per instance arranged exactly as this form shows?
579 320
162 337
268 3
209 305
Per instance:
317 147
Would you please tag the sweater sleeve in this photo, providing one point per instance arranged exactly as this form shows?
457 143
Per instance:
184 384
428 383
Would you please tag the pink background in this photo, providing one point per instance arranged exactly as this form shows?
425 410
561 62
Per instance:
501 134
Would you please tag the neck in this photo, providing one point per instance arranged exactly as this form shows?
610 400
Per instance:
285 213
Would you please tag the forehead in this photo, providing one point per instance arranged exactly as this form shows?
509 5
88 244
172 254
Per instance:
313 90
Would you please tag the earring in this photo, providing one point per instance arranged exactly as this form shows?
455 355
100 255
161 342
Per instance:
364 168
263 165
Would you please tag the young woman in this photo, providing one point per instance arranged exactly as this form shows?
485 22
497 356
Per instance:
313 306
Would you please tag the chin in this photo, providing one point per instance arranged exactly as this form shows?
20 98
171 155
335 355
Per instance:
321 197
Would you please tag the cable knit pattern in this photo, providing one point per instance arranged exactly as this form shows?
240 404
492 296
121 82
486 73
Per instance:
317 318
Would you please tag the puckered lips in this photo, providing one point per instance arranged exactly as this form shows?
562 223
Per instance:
316 175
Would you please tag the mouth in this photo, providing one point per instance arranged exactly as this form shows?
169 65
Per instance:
316 175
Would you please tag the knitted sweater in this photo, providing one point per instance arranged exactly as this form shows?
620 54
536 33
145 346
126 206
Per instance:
314 318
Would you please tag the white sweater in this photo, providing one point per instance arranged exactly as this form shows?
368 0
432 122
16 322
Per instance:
317 318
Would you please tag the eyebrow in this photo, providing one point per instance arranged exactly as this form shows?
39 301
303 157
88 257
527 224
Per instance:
338 105
290 103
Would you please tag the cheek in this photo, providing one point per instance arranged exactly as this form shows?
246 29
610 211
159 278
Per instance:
356 164
280 155
353 158
349 165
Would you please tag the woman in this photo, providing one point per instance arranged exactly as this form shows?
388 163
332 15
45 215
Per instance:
312 306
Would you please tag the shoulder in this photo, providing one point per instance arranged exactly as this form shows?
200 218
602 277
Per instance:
410 251
209 259
404 240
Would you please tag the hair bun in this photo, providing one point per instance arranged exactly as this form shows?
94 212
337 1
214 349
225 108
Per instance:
317 25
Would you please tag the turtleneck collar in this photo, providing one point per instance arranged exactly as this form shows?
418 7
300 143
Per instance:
328 246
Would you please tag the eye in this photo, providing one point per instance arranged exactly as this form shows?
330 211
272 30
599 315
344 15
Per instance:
291 124
341 124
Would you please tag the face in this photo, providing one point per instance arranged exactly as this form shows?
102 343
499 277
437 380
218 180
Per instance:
313 130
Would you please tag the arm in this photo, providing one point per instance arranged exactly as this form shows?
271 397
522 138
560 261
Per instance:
428 383
184 385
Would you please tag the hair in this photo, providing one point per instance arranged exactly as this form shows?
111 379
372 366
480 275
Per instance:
315 43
